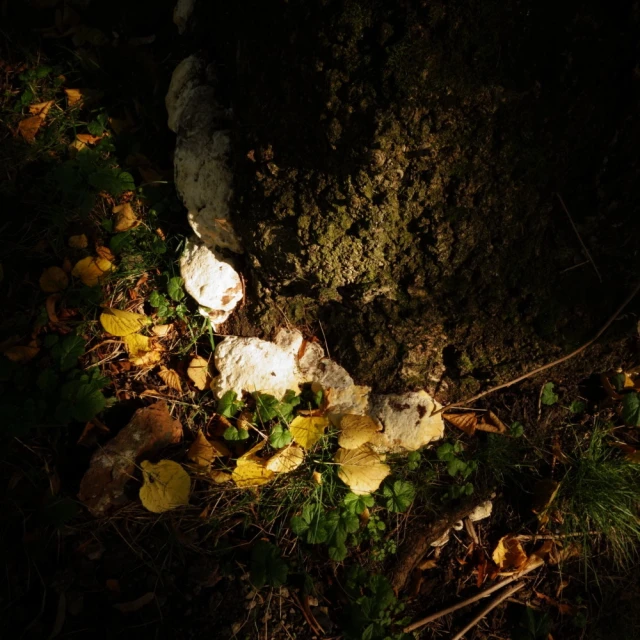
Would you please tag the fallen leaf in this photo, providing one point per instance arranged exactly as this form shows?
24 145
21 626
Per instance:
41 108
201 451
28 128
53 280
149 431
220 477
82 97
509 554
250 470
135 605
125 218
165 486
316 476
171 378
141 352
362 469
161 330
489 421
466 422
90 270
74 96
307 431
21 354
105 253
286 460
122 323
198 373
356 431
78 242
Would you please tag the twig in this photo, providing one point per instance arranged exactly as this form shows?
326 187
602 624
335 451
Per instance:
560 536
544 367
479 596
490 607
584 246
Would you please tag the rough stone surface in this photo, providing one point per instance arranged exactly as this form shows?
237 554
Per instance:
251 364
213 283
482 511
150 430
407 421
341 394
181 14
290 340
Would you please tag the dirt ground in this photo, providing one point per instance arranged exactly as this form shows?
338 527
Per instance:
401 169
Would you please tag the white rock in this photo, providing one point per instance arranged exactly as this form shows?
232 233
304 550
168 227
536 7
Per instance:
186 77
458 526
310 359
181 14
213 283
290 340
251 364
406 420
481 512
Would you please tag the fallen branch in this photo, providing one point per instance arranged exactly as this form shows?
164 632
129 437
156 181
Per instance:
479 596
489 608
544 367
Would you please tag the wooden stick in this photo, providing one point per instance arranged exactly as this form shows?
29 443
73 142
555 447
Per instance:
544 367
584 246
479 596
492 605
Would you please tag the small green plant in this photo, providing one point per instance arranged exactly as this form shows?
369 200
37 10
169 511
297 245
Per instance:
374 610
457 468
549 397
631 409
399 496
267 566
532 625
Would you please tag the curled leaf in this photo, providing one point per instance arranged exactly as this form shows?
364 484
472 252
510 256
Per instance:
509 554
126 218
90 270
165 486
203 452
286 460
362 469
122 323
171 378
220 477
356 431
307 431
198 373
466 422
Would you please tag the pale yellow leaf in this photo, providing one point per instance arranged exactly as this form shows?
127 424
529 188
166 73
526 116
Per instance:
286 460
122 323
125 218
356 431
73 96
250 470
140 350
316 476
21 355
90 270
201 452
78 242
220 477
509 554
198 373
162 330
165 485
171 378
362 469
54 279
307 431
41 109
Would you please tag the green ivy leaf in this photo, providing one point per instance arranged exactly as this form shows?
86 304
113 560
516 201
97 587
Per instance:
279 437
235 434
549 397
445 452
399 496
157 299
338 553
80 400
577 406
229 405
67 351
175 290
413 460
516 430
631 409
267 566
266 407
356 503
456 466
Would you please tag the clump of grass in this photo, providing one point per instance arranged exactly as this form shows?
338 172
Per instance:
601 493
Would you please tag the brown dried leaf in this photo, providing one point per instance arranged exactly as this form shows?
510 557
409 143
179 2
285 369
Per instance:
171 378
489 421
126 218
105 253
509 554
466 422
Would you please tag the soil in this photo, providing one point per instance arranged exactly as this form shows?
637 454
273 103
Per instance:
397 165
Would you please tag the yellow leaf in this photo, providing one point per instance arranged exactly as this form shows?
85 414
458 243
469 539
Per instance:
78 242
21 355
105 253
509 554
220 477
356 431
81 97
361 469
250 470
201 451
165 485
141 353
286 460
307 431
28 128
317 477
73 96
41 109
122 323
53 279
171 378
90 270
198 373
161 330
125 218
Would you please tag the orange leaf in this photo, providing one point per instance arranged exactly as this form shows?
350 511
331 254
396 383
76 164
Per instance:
171 378
466 422
509 554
